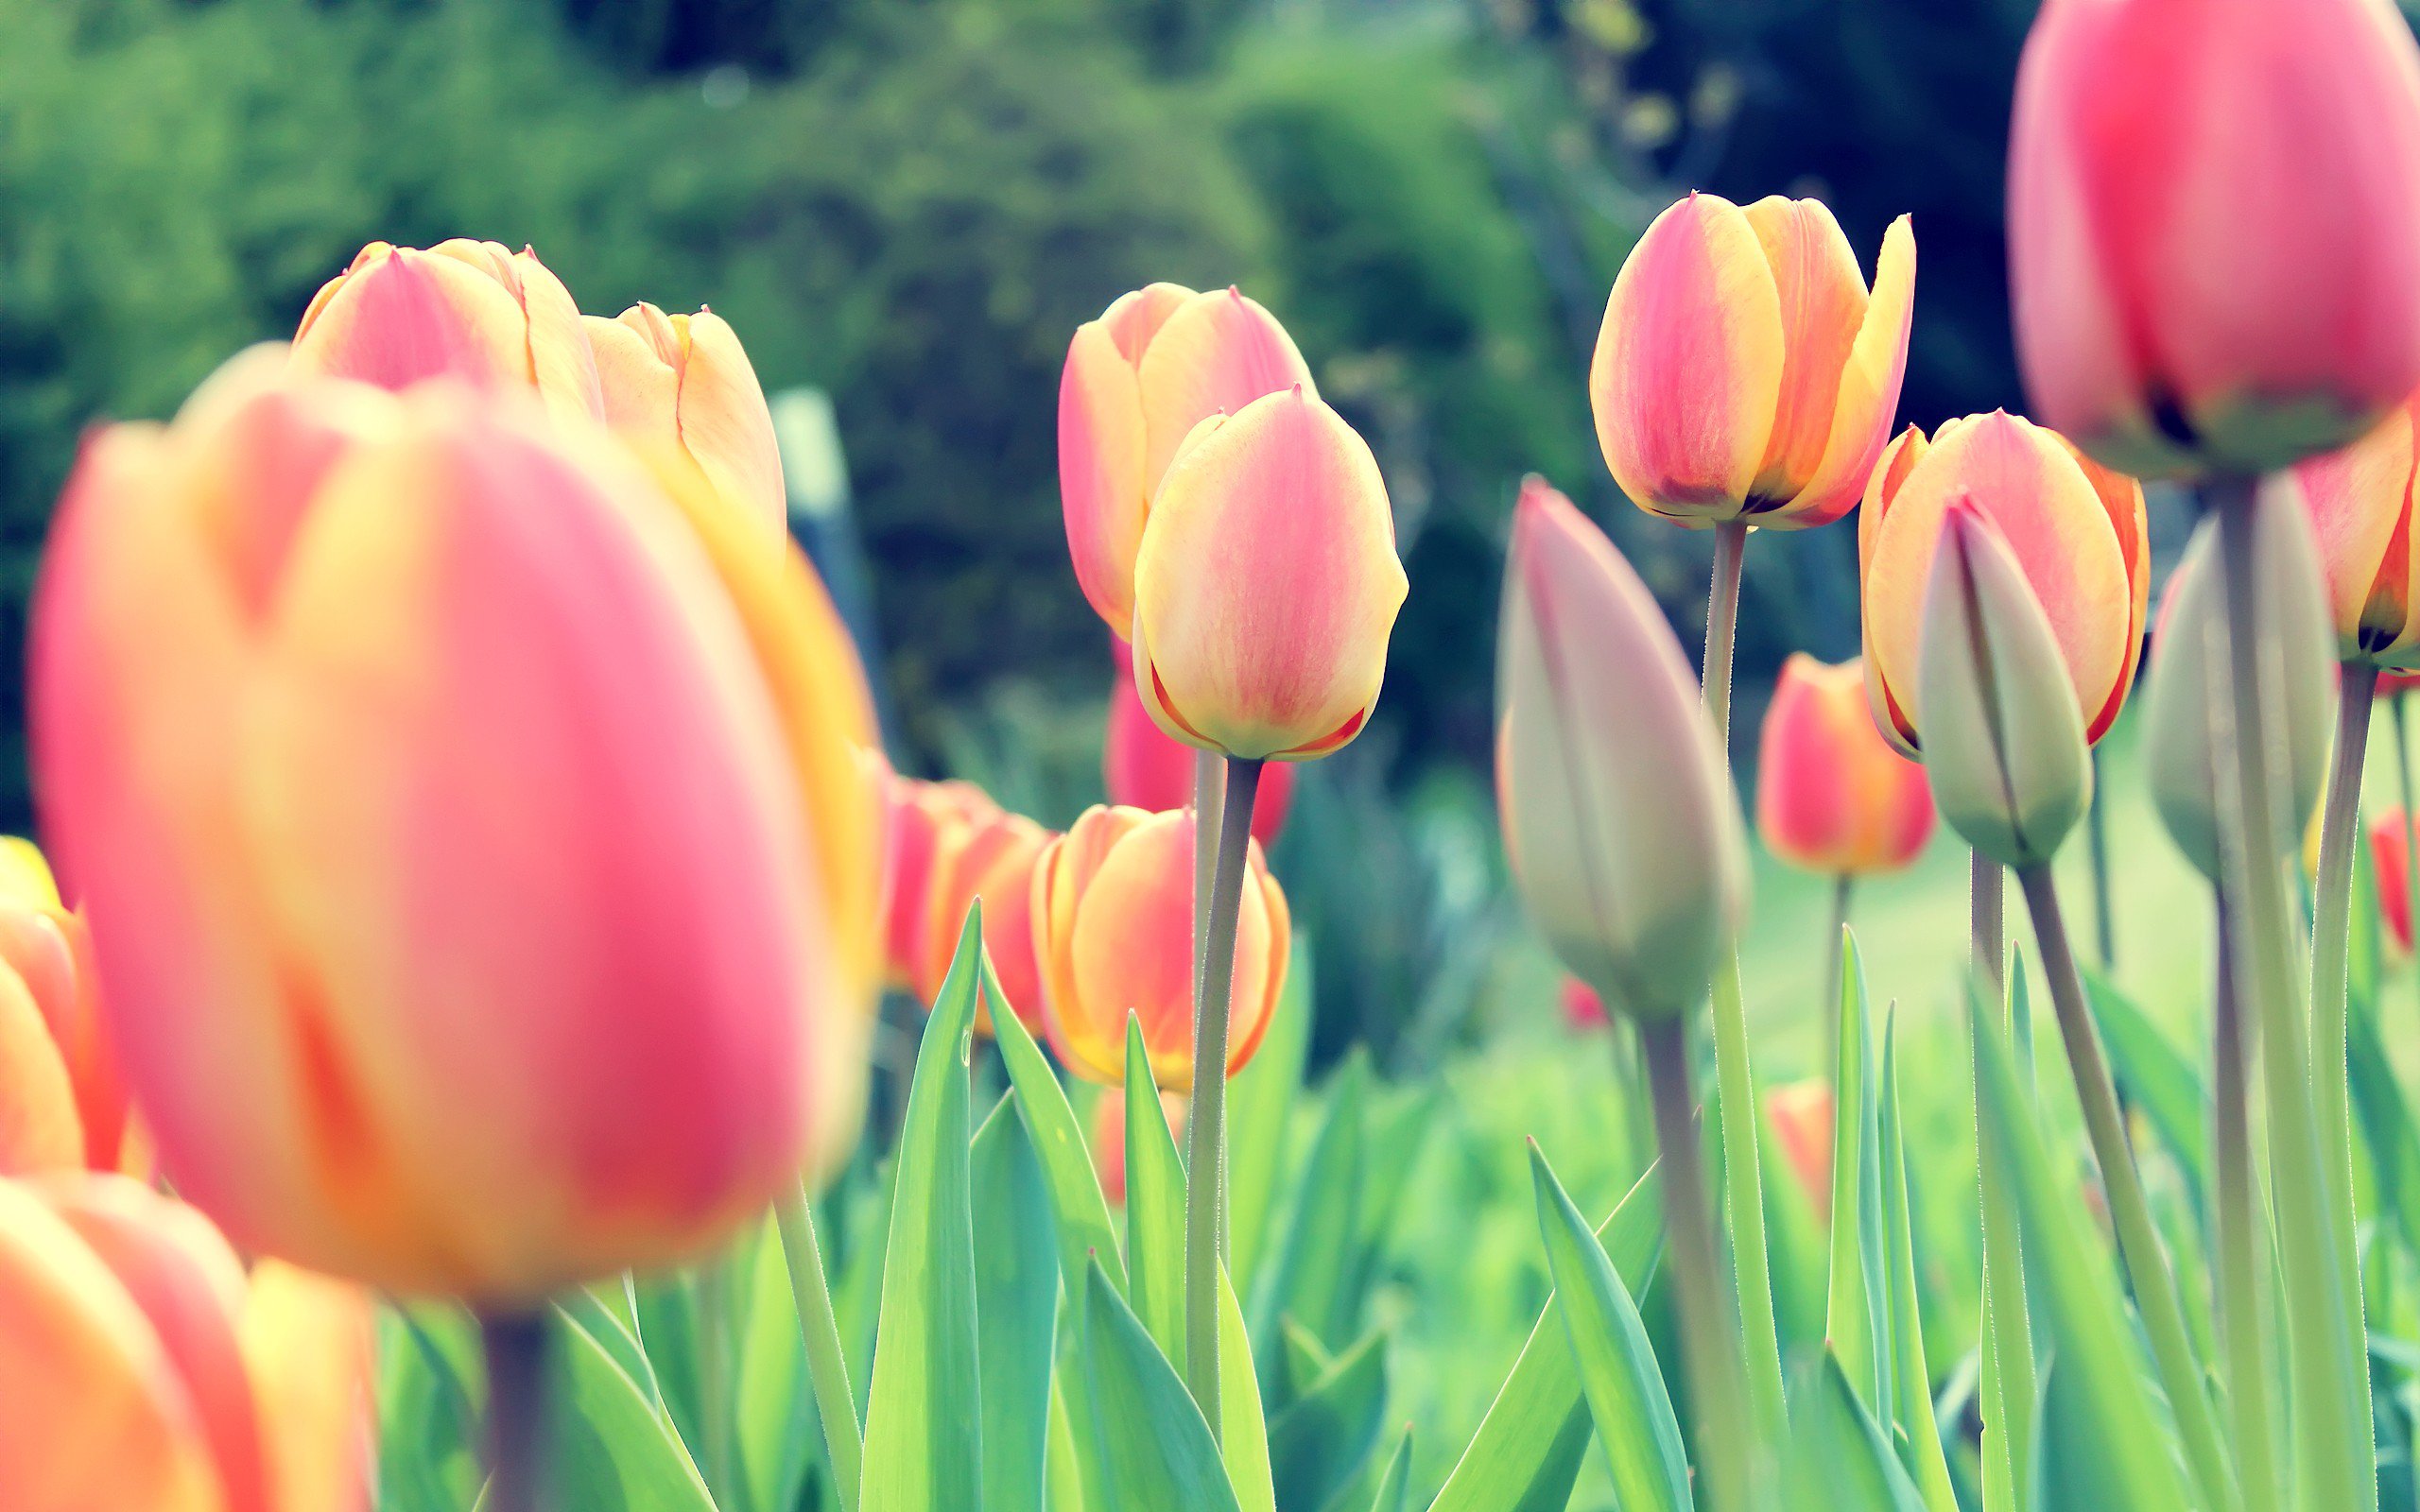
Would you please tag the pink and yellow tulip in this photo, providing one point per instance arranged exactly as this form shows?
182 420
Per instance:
2359 503
1268 584
62 1101
1143 768
1832 796
2390 857
2075 530
1158 362
1744 371
360 720
1112 919
2214 227
684 382
921 816
991 857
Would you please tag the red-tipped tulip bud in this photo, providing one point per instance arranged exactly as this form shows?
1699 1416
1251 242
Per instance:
1112 919
2182 723
1832 796
2004 743
1624 832
2075 530
1142 768
1268 584
462 309
2214 227
1156 364
1743 371
2360 504
684 382
2390 856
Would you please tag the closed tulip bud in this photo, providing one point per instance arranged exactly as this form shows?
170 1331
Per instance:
1744 371
462 309
1143 768
2359 503
1623 830
438 835
684 382
1112 919
2182 730
2075 529
145 1370
2214 227
2004 743
1156 364
63 1102
2390 856
1268 584
1832 796
990 858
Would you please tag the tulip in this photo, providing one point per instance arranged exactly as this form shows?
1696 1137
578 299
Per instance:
1624 834
1267 585
991 859
921 814
2074 529
1109 1136
1801 1114
2214 227
2181 730
1831 796
2390 858
684 382
1744 373
462 309
1582 1010
1156 364
439 833
146 1371
2360 504
63 1102
1143 768
1113 914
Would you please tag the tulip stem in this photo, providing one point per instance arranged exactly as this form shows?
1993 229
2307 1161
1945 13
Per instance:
1830 997
1743 1180
1706 1322
1209 786
2410 834
519 1440
1986 929
2104 906
835 1403
2340 831
2328 1365
2130 1210
2242 1333
1205 1184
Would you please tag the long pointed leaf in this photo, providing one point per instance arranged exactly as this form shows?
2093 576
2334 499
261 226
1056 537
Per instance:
1913 1411
1016 1292
1155 1449
1154 1205
1076 1202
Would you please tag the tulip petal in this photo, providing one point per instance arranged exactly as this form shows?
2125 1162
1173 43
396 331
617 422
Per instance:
1134 318
555 356
38 1127
310 1347
725 423
1869 393
1102 470
1213 355
1822 303
401 317
2359 503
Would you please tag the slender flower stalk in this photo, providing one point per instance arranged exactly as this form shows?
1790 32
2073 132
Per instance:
2339 832
2104 902
1986 920
520 1448
1209 789
835 1403
1205 1187
1838 941
2241 1276
2410 836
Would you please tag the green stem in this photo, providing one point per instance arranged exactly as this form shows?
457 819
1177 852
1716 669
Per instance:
2130 1210
1706 1322
2328 1367
718 1376
1742 1181
1205 1184
2410 828
1829 998
1209 787
836 1401
2241 1281
1986 927
2340 831
2105 903
520 1443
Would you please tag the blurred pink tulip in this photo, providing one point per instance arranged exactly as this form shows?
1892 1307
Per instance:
1832 796
1143 767
1582 1008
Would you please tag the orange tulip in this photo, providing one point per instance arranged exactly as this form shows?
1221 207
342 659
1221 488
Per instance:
991 856
462 309
1112 919
1801 1114
1143 768
1268 584
439 833
2075 529
2214 227
1744 371
63 1103
2390 855
1109 1136
685 382
920 814
1832 796
1156 364
145 1370
2360 504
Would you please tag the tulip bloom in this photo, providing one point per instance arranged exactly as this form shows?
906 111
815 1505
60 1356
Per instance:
990 857
684 382
2360 504
2075 529
1157 362
921 814
462 309
1744 371
1623 831
1113 921
1268 584
2390 856
1143 768
2214 227
1801 1114
1832 796
144 1369
439 833
63 1102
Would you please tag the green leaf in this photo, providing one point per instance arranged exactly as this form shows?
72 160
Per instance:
1856 1321
1155 1449
1082 1214
1527 1450
1016 1293
1260 1103
1243 1430
1322 1242
1154 1205
779 1434
612 1451
2006 1388
585 1307
1062 1475
1319 1442
1840 1448
1394 1485
429 1411
923 1414
2156 1076
1618 1370
1914 1412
